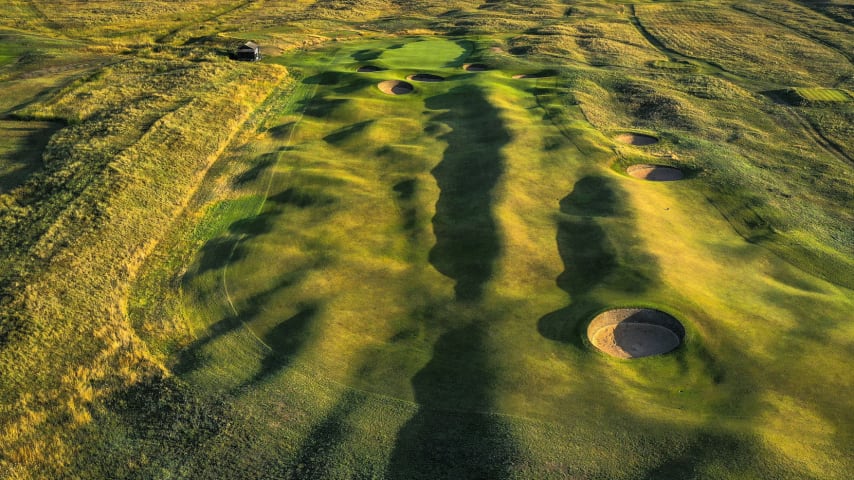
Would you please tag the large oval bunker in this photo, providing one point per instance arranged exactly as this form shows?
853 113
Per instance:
395 87
635 332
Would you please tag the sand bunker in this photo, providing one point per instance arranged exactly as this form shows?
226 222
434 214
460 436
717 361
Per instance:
425 77
636 139
656 173
476 67
543 74
395 87
635 332
369 69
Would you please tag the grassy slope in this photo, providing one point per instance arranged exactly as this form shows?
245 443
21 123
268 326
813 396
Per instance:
335 322
113 186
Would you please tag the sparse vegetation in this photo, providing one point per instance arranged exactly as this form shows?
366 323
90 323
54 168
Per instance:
219 269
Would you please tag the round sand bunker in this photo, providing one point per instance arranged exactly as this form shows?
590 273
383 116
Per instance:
655 173
635 332
395 87
636 139
425 77
369 69
476 67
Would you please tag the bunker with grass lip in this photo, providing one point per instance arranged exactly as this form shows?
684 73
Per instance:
636 139
395 87
425 77
655 173
476 67
635 332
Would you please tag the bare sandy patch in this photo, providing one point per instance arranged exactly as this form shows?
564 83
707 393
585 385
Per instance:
655 173
635 332
636 139
395 87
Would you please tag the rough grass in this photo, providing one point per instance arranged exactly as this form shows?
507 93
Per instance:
111 194
744 44
223 272
20 150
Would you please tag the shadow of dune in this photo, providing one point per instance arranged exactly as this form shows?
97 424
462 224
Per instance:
282 131
442 441
405 191
467 242
706 451
27 158
592 196
312 461
194 355
329 77
366 55
590 257
347 132
587 254
261 164
286 340
321 107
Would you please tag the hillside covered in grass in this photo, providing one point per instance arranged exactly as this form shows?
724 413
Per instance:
377 252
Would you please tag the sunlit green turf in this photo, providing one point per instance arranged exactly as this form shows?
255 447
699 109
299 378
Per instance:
428 259
822 95
219 269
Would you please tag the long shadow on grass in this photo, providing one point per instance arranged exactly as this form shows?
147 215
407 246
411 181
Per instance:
195 356
218 252
347 133
713 451
467 241
321 107
228 248
590 257
260 165
447 438
441 440
365 55
313 461
28 157
286 340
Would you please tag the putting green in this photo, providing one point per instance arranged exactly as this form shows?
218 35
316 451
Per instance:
427 54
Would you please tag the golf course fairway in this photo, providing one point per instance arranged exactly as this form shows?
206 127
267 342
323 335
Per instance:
387 252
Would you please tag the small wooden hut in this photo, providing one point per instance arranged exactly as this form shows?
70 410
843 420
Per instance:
249 51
